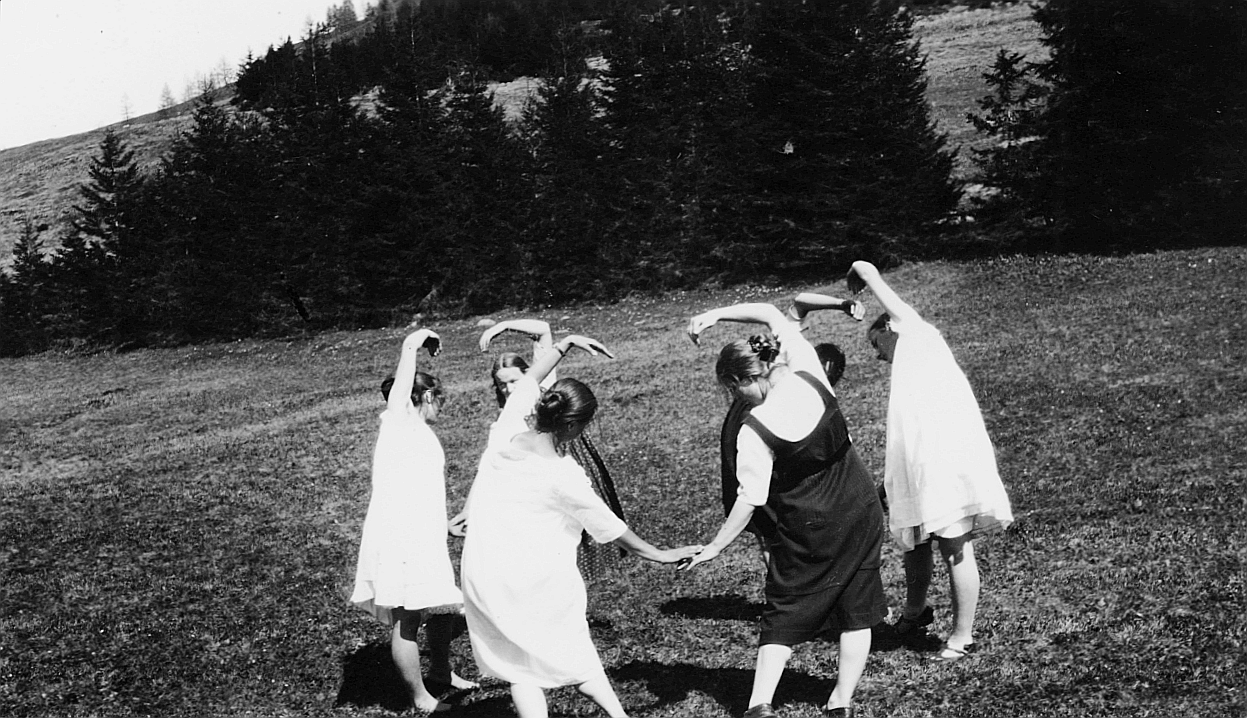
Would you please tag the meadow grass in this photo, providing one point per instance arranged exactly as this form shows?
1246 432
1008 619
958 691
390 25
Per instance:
178 527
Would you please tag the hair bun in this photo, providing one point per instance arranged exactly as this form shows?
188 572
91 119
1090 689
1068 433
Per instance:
552 402
565 408
765 347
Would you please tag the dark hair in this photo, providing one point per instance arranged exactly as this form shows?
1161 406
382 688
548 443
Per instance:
882 338
423 383
505 360
743 358
833 361
565 408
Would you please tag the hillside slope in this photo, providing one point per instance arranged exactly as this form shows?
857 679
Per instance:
39 180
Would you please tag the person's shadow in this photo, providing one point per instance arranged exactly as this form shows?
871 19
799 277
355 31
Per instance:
734 607
370 679
729 687
724 607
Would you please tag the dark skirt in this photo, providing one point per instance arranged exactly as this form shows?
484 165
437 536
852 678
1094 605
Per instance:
790 620
824 574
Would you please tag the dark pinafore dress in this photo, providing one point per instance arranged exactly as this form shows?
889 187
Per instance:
824 573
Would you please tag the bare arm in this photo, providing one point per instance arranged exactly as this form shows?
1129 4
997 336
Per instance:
865 274
535 329
807 302
638 546
545 364
754 313
405 373
737 520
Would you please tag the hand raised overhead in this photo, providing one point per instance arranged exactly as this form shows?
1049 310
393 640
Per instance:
426 339
592 346
854 281
701 323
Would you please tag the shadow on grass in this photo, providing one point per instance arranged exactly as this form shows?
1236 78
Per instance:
370 679
729 687
724 607
734 607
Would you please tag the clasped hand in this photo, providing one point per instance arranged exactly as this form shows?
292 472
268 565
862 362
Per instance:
680 555
707 553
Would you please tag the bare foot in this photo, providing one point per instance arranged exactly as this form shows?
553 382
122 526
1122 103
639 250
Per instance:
455 681
428 705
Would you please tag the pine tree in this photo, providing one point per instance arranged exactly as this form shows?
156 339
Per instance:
843 156
676 85
211 265
489 191
1010 169
576 209
24 298
83 272
106 214
1144 138
167 103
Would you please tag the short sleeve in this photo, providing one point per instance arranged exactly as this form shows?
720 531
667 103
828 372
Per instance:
754 464
798 353
577 498
514 417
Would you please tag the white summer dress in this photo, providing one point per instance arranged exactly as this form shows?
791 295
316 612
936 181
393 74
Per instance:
403 560
941 477
524 599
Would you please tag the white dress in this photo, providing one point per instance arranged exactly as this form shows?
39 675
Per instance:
524 599
940 476
403 560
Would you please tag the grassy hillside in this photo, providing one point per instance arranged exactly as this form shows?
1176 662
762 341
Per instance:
39 180
178 527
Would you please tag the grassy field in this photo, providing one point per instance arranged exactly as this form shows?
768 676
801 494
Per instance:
178 527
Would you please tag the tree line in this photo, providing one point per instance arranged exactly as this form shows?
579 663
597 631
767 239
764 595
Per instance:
667 146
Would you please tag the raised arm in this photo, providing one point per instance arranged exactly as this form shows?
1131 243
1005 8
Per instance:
752 313
807 302
865 274
405 373
535 329
545 364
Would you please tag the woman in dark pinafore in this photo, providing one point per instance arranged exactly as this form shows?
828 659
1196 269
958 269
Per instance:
796 459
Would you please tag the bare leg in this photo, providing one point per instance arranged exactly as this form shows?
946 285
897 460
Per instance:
441 629
854 650
599 690
918 568
772 658
963 572
530 701
406 652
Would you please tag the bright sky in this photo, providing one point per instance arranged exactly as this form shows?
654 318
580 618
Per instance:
68 66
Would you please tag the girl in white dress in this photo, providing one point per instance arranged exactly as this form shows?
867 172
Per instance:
404 576
940 477
525 601
592 558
